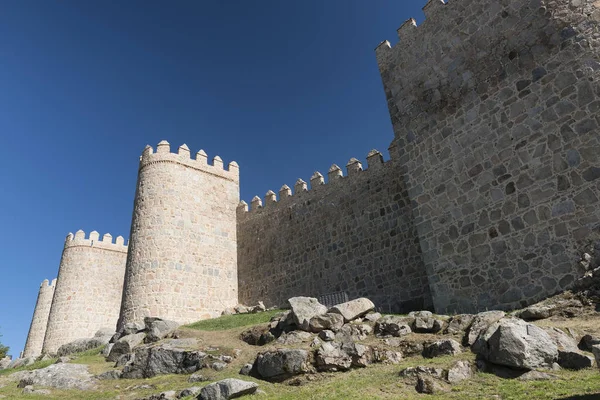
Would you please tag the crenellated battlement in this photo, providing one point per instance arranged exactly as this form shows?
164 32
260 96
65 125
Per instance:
183 156
335 177
47 284
94 240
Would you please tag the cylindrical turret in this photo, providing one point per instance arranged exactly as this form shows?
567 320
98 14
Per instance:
88 290
39 322
182 263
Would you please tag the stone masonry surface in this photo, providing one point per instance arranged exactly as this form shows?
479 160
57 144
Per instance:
354 234
88 289
37 330
495 106
182 262
489 200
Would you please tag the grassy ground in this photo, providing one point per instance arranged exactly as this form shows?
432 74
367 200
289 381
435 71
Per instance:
373 382
233 321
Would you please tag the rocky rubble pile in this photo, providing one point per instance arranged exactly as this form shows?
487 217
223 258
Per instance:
507 345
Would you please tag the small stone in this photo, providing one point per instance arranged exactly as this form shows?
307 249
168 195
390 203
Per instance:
246 369
196 377
428 385
442 348
460 371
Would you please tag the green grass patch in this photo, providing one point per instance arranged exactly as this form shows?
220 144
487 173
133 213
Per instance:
233 321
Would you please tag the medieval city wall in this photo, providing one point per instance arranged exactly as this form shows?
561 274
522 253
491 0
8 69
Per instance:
88 290
353 234
495 107
39 321
182 262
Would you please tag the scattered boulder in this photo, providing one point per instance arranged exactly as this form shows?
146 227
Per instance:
408 348
372 317
428 385
124 360
241 309
331 357
129 328
157 328
515 343
110 375
303 309
596 352
218 366
459 324
424 322
459 371
574 360
20 362
125 345
295 337
191 391
59 376
335 356
169 395
353 309
391 325
196 377
327 335
480 323
169 357
81 345
421 370
257 336
444 347
536 376
227 389
535 312
63 359
352 332
587 342
330 321
569 355
282 323
5 362
387 356
281 364
106 349
246 369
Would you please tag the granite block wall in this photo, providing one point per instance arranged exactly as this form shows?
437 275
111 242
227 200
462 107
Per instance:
495 107
353 234
39 321
88 290
182 262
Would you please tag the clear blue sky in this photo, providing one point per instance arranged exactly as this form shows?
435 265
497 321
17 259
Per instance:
284 88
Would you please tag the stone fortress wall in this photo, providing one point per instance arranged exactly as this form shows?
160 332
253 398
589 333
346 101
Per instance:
182 262
88 290
37 330
495 107
353 234
489 199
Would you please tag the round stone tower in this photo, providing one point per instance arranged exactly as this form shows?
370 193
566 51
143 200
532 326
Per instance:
182 261
37 330
88 289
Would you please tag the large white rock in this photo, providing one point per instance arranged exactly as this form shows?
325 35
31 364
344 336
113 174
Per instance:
226 389
515 343
480 323
303 309
353 309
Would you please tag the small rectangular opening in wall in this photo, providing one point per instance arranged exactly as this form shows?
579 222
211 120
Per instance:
332 299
